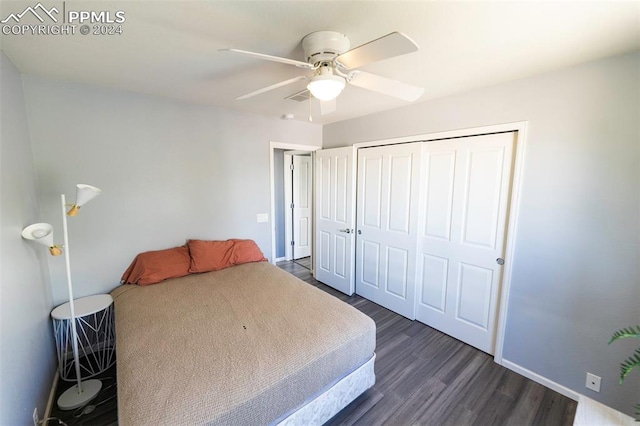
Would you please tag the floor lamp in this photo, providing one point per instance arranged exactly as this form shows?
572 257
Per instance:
83 391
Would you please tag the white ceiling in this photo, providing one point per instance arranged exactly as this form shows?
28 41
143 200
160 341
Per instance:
170 49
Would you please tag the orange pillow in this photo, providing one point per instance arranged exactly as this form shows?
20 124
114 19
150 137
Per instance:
153 267
210 255
245 251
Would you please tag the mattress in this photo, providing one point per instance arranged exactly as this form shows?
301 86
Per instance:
245 345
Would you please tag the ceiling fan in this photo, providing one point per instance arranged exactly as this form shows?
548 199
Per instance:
333 65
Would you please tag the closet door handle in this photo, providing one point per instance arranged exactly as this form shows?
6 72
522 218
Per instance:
359 232
348 231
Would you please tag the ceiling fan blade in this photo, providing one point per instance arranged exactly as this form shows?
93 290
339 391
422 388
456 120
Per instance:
386 86
272 87
393 44
287 61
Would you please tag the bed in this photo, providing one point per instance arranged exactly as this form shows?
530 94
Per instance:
250 345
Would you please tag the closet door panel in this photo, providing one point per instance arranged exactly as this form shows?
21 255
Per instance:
340 257
467 183
371 186
335 218
482 196
435 271
370 256
397 269
474 295
388 181
399 187
439 194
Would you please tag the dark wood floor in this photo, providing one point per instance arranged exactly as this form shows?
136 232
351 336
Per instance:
305 262
423 377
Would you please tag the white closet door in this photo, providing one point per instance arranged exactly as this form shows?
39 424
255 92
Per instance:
302 189
388 180
464 199
335 218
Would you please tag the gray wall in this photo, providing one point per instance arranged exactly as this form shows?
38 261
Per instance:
169 171
576 277
27 354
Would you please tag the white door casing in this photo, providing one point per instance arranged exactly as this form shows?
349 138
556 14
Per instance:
465 194
273 146
302 187
387 225
335 217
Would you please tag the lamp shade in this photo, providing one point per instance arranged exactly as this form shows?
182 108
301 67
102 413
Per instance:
326 87
41 233
84 194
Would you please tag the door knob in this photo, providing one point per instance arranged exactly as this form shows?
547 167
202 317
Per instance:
348 231
359 232
500 261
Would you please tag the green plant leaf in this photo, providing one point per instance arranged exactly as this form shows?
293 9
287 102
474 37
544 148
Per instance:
626 332
629 364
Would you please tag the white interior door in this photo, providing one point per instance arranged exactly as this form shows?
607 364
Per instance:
288 202
335 217
464 201
388 181
302 189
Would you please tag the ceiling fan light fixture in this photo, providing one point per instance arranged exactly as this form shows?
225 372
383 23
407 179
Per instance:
326 87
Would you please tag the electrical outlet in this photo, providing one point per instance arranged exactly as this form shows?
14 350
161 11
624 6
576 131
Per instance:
36 420
593 382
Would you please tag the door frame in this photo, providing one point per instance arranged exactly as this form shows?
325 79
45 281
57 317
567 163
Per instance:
513 209
272 188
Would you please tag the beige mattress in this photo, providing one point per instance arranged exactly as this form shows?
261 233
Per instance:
245 345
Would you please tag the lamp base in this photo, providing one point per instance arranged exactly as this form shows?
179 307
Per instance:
72 399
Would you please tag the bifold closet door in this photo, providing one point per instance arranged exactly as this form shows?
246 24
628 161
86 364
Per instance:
335 218
387 207
465 193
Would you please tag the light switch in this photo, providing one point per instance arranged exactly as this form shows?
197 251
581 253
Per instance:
262 217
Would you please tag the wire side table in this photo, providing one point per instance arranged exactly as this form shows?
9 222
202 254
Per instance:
95 326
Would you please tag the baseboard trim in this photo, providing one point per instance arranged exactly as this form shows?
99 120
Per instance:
541 379
280 259
52 394
591 412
